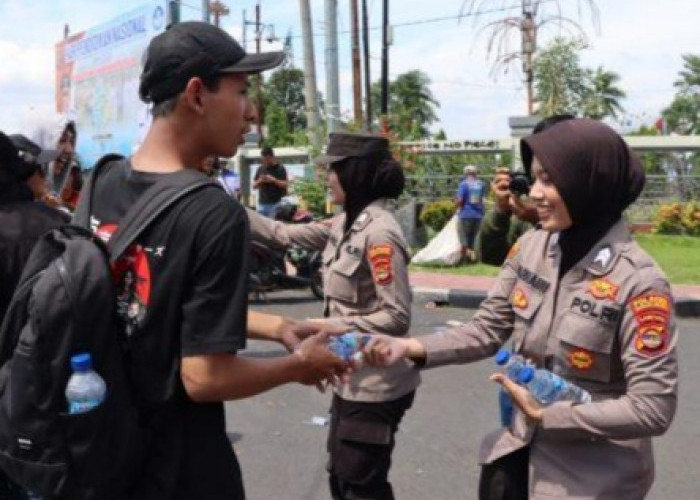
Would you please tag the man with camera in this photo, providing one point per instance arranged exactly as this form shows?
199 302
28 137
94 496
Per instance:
511 215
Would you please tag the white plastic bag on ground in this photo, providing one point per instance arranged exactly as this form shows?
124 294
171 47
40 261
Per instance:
444 248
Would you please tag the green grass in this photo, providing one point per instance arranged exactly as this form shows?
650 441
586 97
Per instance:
678 256
470 270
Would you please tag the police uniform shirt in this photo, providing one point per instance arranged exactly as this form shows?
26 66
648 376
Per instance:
366 286
607 325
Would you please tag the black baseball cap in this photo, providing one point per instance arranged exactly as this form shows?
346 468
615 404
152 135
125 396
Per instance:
342 145
31 153
20 157
191 49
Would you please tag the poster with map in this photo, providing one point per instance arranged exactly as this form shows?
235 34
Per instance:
97 80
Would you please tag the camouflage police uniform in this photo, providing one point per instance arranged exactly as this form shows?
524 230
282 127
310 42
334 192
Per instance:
608 326
366 289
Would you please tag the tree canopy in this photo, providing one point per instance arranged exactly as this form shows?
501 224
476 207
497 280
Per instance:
411 105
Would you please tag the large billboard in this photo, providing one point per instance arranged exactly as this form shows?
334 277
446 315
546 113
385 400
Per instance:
97 80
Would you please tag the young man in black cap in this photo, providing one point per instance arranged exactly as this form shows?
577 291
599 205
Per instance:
183 287
22 220
271 182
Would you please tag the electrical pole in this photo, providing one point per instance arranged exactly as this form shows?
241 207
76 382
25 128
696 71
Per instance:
218 9
173 12
356 69
385 58
310 94
528 31
332 93
205 10
365 51
258 77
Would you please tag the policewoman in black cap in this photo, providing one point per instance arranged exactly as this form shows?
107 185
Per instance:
580 297
365 258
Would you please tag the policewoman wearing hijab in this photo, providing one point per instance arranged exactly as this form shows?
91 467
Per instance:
577 296
365 258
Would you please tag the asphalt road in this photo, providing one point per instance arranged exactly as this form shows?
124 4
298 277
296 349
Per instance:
283 454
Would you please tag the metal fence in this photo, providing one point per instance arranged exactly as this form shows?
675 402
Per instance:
659 189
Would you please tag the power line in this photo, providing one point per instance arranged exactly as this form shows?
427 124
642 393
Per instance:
432 20
193 7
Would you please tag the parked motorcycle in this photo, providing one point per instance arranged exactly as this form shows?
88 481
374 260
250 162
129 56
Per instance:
268 266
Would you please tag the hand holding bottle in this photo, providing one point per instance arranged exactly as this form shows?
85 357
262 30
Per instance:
385 350
521 397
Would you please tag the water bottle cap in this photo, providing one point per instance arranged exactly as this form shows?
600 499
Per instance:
526 374
502 356
81 362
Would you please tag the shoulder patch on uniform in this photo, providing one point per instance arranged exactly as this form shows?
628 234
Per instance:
651 311
513 250
603 288
380 259
361 221
603 261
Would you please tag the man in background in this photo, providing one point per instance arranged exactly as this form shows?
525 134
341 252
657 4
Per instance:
271 182
470 203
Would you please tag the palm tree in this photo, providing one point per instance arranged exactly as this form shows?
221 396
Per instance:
526 27
601 97
411 105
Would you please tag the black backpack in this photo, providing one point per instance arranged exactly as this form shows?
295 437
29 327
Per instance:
65 304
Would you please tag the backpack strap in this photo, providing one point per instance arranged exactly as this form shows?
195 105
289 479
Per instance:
81 217
152 203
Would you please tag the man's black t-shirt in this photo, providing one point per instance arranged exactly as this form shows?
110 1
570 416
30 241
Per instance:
269 193
181 291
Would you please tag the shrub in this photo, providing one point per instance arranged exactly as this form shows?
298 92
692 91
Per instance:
437 213
668 219
691 218
313 193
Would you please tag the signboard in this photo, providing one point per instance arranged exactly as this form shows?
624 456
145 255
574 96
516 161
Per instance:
97 80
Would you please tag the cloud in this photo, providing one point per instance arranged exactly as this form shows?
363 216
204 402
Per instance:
639 40
27 81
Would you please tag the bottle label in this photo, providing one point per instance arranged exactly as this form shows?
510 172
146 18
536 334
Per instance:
82 406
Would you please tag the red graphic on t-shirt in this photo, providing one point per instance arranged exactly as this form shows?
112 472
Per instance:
132 277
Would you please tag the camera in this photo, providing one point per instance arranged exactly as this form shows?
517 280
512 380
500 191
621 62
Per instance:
519 184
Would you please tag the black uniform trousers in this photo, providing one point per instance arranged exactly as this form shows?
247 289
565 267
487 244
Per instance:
360 443
506 478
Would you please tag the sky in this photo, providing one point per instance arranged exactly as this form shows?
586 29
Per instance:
641 40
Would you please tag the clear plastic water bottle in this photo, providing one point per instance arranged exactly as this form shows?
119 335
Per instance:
548 387
511 364
505 407
348 345
86 390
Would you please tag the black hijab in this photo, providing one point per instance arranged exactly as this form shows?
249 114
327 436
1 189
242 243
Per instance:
596 174
366 179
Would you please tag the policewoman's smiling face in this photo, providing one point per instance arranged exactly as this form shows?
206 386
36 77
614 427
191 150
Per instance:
551 209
